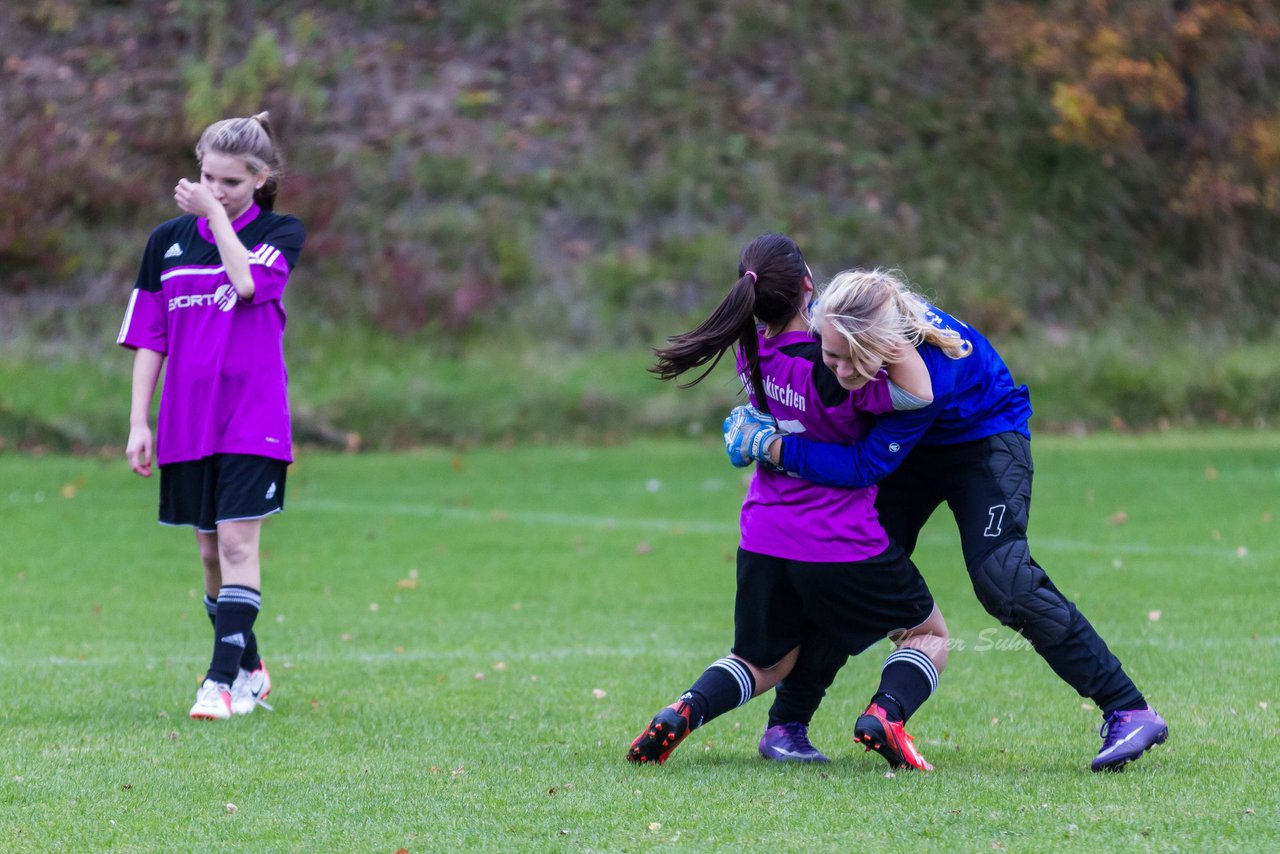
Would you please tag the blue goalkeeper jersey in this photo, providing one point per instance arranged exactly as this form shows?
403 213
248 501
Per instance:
973 397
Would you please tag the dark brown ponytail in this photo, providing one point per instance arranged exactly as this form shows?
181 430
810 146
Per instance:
770 287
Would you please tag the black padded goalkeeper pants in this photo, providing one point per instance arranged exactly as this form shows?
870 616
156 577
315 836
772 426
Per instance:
987 486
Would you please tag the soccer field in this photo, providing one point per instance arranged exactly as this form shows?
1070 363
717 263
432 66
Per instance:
464 644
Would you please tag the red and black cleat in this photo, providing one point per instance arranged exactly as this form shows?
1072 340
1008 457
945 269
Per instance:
889 739
663 734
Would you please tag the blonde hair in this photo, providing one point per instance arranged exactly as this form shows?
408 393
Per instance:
251 139
878 314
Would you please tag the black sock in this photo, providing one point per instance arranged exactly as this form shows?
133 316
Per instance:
906 681
1127 705
249 660
797 697
892 708
237 609
722 687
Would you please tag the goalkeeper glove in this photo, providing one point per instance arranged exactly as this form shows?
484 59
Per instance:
747 435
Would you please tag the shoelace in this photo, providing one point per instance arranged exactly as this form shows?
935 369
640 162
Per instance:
1111 734
800 736
212 691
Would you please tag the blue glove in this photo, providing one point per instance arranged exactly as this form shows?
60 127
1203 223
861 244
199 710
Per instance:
747 434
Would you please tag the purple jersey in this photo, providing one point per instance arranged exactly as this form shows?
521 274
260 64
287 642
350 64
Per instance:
784 516
225 383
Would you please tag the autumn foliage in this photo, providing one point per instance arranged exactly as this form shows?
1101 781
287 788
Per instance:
1187 88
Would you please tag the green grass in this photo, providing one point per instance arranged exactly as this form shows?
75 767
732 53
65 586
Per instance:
388 393
439 626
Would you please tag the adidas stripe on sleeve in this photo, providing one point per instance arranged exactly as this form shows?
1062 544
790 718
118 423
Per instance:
144 324
271 261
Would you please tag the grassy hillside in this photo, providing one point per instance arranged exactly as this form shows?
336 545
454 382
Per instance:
570 179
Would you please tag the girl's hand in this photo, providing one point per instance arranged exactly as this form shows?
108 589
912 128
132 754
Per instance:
138 450
195 199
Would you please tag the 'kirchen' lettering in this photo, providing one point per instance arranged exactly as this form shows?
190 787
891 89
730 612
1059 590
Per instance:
785 395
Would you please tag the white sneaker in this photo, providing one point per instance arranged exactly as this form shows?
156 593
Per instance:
213 702
250 690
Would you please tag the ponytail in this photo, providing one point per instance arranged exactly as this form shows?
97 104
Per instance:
265 196
770 288
732 320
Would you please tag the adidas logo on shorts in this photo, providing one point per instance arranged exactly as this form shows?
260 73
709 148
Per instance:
271 491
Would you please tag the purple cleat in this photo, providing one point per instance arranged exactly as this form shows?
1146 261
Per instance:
1126 736
789 742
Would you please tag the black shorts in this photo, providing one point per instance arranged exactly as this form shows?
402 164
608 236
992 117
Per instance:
854 604
221 488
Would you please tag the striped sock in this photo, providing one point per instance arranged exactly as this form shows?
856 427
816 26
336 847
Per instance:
906 681
232 628
721 688
249 660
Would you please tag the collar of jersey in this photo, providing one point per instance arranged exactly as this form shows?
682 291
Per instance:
777 342
249 215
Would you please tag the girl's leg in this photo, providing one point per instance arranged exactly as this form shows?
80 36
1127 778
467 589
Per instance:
857 604
910 673
905 500
239 599
731 682
989 485
768 622
208 545
909 676
767 677
728 683
238 552
236 679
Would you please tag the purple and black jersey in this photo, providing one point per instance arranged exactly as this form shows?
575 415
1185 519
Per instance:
225 385
784 516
